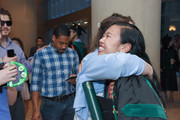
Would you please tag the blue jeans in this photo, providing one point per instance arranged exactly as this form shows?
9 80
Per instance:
55 110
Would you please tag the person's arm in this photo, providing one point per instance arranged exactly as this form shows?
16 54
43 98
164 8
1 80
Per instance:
36 84
113 66
148 70
11 95
36 109
74 70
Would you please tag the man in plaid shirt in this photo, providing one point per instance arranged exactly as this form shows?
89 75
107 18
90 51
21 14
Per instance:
52 67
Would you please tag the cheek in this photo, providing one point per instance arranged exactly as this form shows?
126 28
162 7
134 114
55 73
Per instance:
114 46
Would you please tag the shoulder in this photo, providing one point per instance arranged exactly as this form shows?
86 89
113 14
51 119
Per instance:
78 43
44 52
16 47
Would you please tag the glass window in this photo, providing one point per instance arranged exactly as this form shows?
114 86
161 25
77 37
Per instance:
58 8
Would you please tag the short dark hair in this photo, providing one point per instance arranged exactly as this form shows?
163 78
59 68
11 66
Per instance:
39 38
76 29
19 41
5 12
61 29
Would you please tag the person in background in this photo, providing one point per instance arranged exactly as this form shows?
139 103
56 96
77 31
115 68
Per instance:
17 109
25 90
169 67
76 43
52 66
176 41
7 74
39 44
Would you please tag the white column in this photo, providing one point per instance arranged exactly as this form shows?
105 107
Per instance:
145 13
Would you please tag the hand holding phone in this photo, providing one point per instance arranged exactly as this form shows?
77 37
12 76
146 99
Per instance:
10 53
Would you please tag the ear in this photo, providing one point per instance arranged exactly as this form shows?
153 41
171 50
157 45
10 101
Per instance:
53 38
126 47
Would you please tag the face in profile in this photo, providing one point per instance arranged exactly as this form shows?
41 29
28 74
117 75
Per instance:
60 43
110 42
5 25
72 34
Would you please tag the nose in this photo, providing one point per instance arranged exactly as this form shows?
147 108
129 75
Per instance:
101 40
64 46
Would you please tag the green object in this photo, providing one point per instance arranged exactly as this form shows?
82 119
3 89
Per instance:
23 71
92 101
144 110
82 48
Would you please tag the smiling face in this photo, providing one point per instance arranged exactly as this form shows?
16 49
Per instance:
60 43
110 42
5 28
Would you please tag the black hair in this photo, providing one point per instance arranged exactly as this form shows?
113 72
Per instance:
105 24
39 38
165 41
61 30
77 29
5 12
19 41
131 34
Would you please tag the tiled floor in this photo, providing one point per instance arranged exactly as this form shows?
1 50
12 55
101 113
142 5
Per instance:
173 109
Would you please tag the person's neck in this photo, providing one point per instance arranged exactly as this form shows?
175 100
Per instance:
4 41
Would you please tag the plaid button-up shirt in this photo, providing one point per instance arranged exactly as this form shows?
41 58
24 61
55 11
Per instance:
51 69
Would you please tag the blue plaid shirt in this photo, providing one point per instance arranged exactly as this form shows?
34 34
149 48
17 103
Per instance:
51 69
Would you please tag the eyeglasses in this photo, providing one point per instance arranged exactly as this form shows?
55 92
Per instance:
8 23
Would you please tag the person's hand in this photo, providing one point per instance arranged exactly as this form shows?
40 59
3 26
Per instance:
36 115
41 48
148 70
8 73
172 61
72 81
9 59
